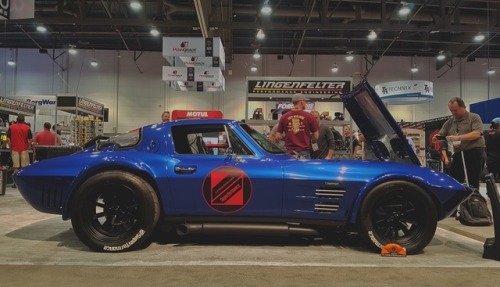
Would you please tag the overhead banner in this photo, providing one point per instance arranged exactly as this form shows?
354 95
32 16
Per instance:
194 79
196 86
80 106
196 114
177 74
194 47
13 106
295 86
203 62
405 92
47 102
18 9
91 107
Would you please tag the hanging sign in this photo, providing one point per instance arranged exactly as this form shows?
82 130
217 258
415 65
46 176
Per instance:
17 106
405 92
195 61
91 107
4 9
194 79
196 114
295 86
194 47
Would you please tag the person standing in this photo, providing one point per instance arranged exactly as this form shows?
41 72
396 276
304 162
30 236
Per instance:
298 127
165 116
492 139
19 138
464 130
367 153
351 142
410 141
45 137
326 141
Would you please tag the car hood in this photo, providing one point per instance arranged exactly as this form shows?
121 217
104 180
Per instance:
378 126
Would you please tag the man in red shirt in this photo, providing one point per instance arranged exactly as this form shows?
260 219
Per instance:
45 137
298 127
19 138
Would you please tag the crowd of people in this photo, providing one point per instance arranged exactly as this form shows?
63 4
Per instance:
20 140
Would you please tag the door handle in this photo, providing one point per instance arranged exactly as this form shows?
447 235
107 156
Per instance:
188 169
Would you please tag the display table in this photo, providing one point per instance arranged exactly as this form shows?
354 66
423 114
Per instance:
50 151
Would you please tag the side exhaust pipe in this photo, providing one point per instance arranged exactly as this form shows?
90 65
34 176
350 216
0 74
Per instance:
244 229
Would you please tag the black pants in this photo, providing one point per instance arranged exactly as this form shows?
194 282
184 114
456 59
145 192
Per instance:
473 163
494 168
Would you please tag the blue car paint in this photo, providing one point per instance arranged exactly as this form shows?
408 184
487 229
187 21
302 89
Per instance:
281 186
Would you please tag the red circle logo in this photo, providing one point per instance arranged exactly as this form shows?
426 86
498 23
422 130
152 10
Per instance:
227 189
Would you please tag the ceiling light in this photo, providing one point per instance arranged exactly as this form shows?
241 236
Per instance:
441 56
266 9
72 51
491 71
253 69
349 56
41 29
479 37
11 62
335 68
414 68
372 35
260 34
154 31
256 55
136 5
405 9
94 63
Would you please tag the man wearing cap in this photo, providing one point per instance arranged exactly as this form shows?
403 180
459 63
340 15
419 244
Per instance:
465 131
492 139
298 127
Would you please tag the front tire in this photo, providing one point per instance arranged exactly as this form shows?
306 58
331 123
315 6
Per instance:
398 212
114 211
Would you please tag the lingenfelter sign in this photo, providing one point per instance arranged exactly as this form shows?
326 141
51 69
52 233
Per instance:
315 87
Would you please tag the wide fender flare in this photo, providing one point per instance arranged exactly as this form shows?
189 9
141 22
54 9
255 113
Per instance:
95 167
363 192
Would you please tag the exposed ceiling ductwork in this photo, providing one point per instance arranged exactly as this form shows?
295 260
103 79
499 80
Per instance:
294 27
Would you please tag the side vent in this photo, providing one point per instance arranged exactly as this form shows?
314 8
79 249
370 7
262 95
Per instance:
330 192
326 207
328 198
52 197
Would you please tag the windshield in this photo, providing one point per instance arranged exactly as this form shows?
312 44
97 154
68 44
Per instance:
262 140
126 140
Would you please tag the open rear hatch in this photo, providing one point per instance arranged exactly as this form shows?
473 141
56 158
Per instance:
380 129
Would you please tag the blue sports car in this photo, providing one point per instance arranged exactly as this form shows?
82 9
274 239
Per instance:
222 176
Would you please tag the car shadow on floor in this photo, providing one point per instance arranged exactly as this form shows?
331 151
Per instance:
338 239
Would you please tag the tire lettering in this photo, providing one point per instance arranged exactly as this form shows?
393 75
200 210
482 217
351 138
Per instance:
374 240
127 244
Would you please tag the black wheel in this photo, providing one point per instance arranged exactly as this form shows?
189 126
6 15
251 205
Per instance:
398 212
114 211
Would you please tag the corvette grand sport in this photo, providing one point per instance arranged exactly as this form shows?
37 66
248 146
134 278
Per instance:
223 176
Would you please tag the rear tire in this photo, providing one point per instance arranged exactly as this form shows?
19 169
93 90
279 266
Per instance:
398 212
114 211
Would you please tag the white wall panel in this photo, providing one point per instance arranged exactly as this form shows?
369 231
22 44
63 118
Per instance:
135 99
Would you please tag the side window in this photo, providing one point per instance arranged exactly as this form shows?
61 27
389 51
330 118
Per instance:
207 140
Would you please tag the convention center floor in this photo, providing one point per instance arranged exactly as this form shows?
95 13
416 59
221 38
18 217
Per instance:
38 249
